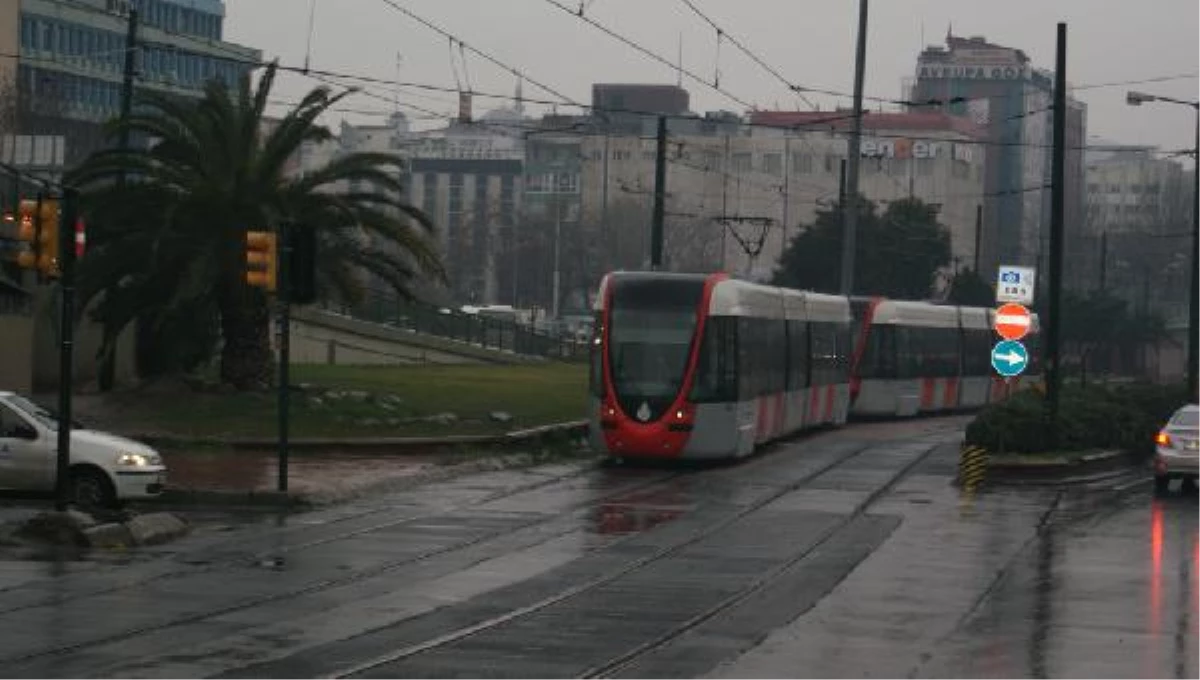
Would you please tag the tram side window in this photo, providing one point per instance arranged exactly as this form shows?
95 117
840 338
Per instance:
761 360
943 358
879 358
798 364
717 368
826 365
977 350
1033 344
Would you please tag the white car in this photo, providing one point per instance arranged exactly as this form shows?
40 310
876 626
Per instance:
1177 449
105 469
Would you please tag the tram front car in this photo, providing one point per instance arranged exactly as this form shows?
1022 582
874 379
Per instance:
644 362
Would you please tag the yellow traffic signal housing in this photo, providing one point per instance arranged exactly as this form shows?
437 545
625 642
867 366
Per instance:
47 238
27 215
262 260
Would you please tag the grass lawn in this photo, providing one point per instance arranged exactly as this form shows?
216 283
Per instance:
358 401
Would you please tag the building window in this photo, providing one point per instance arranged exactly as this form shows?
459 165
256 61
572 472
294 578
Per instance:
773 164
742 162
712 161
802 163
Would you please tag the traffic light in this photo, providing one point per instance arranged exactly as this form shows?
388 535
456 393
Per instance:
262 260
27 233
47 236
302 265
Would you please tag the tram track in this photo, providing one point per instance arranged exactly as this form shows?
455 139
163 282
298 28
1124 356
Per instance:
327 584
628 657
744 472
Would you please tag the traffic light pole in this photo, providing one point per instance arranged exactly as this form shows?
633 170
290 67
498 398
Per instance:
284 294
66 261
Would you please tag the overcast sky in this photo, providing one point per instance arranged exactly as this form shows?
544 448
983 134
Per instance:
810 42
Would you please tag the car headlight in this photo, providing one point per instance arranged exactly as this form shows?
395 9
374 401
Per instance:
138 459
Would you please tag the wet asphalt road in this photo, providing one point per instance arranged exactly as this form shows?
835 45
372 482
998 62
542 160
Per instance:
841 554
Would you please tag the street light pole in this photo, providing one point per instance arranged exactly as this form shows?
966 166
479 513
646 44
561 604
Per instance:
1137 99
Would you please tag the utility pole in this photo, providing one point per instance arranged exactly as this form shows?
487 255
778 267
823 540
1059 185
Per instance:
557 255
842 184
130 73
787 181
66 263
1193 381
978 235
851 210
1057 205
607 249
724 198
1103 258
660 190
284 286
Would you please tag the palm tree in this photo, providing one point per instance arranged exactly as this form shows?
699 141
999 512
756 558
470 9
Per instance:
170 242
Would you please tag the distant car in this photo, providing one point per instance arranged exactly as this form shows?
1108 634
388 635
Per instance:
105 469
1177 454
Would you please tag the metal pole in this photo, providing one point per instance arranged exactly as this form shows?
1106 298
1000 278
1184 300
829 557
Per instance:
557 269
978 235
842 184
284 286
1103 259
1194 304
66 262
1057 205
130 73
851 209
606 249
787 168
660 189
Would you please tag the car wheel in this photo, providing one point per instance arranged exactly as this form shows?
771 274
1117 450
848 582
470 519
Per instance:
91 488
1189 485
1162 485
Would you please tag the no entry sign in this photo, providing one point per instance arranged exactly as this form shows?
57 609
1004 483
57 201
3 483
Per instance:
1012 321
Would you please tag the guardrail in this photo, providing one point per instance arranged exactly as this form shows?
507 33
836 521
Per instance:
497 334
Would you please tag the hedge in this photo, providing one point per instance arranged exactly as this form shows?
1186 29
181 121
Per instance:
1124 417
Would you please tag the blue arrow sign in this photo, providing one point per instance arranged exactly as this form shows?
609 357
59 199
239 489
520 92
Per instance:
1009 358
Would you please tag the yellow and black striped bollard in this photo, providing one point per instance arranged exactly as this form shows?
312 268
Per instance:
972 468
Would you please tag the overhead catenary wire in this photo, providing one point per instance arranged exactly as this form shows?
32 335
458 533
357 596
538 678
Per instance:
798 90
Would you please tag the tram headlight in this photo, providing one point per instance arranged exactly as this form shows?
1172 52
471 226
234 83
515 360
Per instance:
679 414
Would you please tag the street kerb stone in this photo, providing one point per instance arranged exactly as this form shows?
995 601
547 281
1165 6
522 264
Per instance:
156 527
112 535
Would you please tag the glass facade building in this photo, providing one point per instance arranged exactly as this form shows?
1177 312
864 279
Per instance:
72 52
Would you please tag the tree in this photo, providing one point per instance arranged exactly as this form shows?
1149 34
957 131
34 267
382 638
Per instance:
897 253
968 288
170 244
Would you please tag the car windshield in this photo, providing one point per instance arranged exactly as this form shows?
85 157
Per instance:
1189 419
34 411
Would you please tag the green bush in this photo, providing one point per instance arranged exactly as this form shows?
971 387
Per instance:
1094 417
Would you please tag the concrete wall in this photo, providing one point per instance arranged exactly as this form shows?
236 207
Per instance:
45 340
16 353
323 338
313 342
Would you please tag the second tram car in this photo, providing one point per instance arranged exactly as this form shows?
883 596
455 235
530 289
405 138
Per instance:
704 366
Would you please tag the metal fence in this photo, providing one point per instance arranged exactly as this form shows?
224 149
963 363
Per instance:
451 324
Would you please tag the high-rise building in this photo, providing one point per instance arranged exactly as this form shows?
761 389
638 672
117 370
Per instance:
999 89
72 56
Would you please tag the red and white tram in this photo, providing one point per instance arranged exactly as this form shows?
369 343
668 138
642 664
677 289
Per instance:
704 366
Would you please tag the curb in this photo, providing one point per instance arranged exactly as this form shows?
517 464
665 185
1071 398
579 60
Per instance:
1088 468
376 444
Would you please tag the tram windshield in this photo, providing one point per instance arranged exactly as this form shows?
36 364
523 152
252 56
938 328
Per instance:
651 325
649 351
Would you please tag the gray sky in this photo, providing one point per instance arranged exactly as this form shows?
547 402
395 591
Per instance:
810 42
